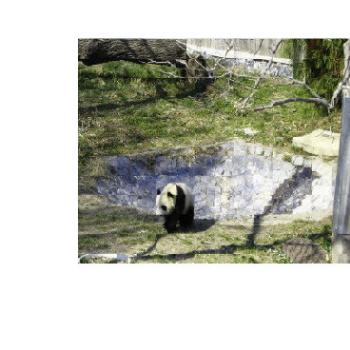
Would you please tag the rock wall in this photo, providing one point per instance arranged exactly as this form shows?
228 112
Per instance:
233 179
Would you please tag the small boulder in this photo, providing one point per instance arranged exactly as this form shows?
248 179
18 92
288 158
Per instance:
319 142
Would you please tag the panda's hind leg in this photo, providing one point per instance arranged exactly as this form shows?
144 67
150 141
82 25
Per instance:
186 220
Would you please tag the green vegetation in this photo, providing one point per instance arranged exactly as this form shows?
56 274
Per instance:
126 108
105 228
322 64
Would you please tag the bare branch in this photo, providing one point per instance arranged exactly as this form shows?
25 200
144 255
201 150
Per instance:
307 87
317 99
281 102
259 46
267 68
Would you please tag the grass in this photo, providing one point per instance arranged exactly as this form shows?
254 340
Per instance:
106 228
127 108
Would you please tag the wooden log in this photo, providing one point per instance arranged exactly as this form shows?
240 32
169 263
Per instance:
94 51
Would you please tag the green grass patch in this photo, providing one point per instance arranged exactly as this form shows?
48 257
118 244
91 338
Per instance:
127 108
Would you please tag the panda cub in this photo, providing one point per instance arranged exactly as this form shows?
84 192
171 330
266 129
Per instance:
175 203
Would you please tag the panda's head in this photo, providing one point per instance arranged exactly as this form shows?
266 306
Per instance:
168 199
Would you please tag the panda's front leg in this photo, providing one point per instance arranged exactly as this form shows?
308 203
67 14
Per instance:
170 222
186 220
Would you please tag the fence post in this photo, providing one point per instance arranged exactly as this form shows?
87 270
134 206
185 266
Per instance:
341 210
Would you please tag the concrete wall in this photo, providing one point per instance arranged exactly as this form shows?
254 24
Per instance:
245 48
251 55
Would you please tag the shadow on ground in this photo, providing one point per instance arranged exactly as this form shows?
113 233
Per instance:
106 228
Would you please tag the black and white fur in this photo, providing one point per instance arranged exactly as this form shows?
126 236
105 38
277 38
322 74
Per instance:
175 203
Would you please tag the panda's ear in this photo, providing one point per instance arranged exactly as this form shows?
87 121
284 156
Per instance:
158 191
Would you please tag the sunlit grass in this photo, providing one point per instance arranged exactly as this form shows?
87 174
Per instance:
112 229
127 108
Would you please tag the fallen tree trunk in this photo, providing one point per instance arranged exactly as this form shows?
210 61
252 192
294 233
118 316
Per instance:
94 51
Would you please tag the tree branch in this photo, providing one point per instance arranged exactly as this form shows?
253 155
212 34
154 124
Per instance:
320 101
307 87
316 99
258 80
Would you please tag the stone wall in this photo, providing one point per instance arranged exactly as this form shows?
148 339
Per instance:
232 179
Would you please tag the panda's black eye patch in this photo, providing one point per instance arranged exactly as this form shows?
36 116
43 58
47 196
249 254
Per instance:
170 195
158 191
